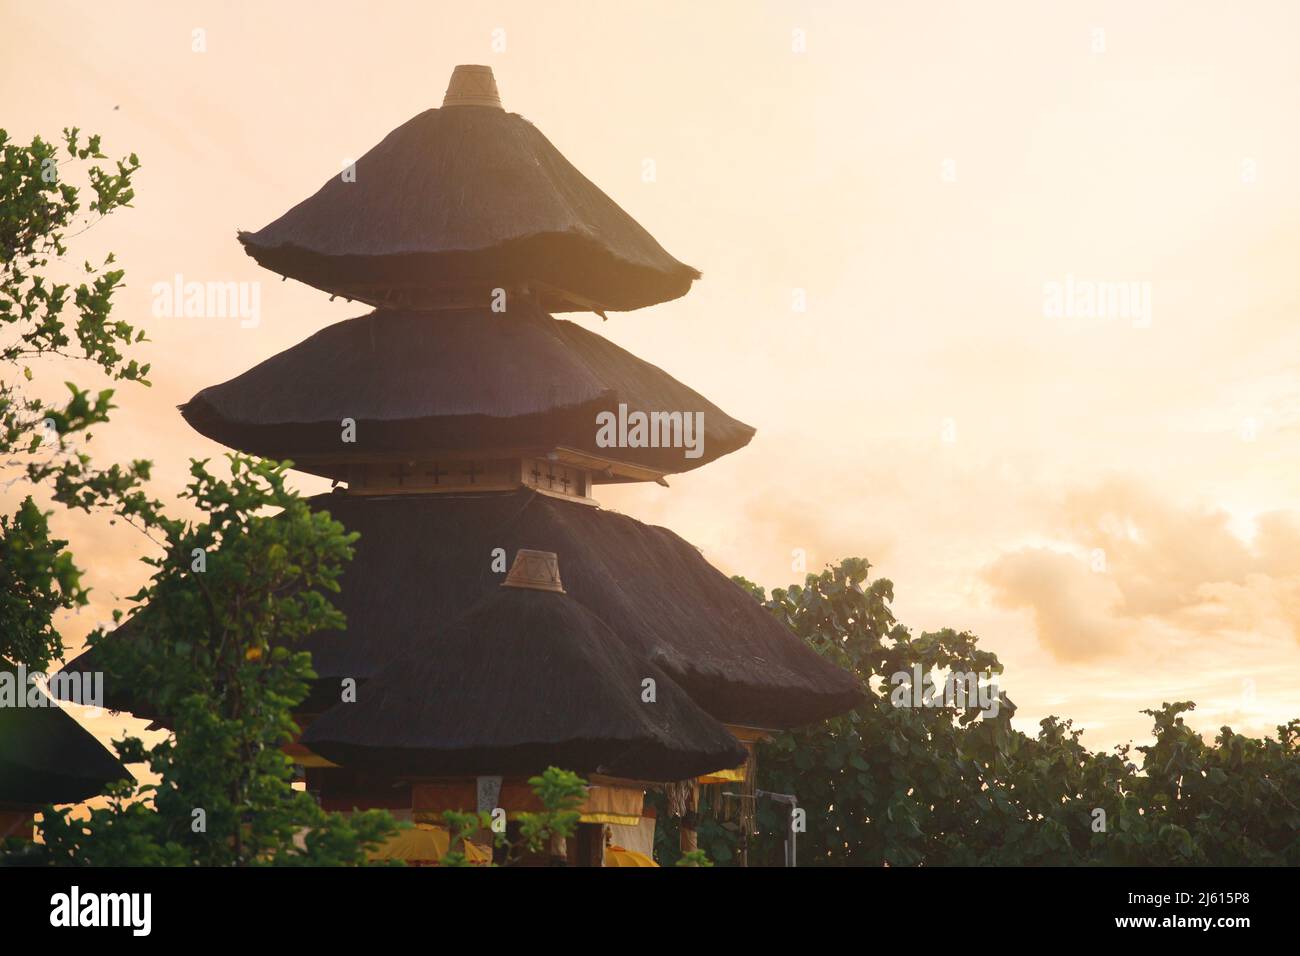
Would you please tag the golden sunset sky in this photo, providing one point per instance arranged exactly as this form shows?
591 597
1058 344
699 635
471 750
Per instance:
923 172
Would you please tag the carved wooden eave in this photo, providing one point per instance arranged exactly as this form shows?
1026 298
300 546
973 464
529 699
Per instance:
434 296
462 476
561 471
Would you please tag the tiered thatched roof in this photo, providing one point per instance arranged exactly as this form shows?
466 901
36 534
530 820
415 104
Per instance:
524 680
424 560
468 198
456 212
47 757
426 384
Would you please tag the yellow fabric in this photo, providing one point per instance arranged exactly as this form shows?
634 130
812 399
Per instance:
423 843
304 757
640 838
622 819
748 735
617 856
605 802
613 805
308 759
723 776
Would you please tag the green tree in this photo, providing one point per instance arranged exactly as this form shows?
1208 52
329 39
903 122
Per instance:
561 793
904 786
43 205
215 655
229 597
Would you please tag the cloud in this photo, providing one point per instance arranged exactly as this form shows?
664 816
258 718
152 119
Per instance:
1074 608
1136 570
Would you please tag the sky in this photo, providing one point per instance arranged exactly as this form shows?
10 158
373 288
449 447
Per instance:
899 211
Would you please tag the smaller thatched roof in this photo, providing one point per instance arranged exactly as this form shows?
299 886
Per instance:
526 679
47 757
425 384
422 561
462 200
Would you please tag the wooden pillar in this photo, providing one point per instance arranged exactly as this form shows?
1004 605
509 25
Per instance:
559 851
587 845
748 802
689 839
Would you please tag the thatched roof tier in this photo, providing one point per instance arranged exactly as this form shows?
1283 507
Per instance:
524 680
462 200
46 756
421 385
423 560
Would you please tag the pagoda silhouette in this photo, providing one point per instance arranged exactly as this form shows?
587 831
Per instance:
498 620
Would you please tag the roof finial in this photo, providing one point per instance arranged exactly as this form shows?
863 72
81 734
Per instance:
539 570
472 86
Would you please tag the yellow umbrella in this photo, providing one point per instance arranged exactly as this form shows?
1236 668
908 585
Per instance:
424 845
617 856
476 853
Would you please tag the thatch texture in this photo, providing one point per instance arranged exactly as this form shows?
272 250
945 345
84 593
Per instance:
468 198
425 384
47 757
423 560
524 680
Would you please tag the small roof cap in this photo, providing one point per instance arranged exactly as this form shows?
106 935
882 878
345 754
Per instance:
472 85
538 570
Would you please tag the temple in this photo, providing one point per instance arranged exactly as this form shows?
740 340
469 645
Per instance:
499 621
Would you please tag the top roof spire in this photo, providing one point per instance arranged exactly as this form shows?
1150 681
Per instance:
458 203
472 85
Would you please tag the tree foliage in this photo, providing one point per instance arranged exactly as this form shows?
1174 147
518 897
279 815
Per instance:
904 786
230 597
560 792
230 594
46 192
